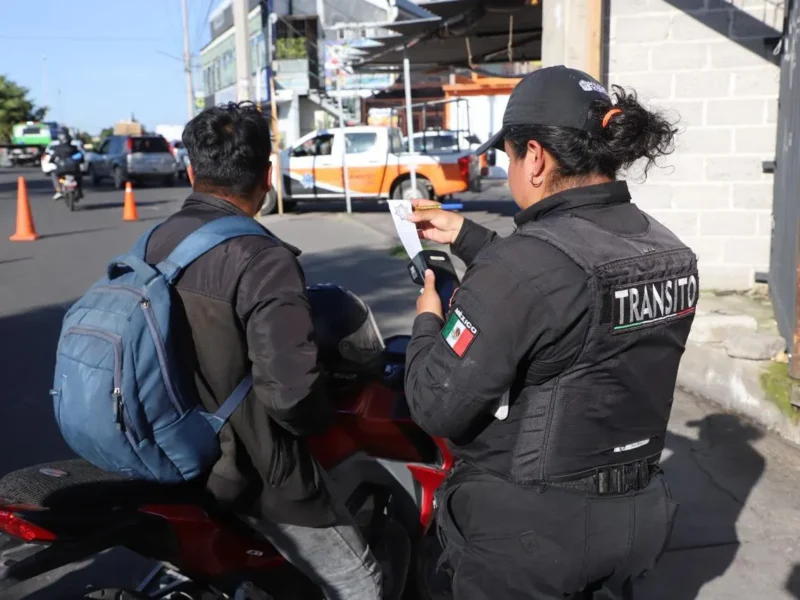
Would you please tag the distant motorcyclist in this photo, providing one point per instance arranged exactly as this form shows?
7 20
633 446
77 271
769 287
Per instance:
67 157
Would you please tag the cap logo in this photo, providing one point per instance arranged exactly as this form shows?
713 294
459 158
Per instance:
592 86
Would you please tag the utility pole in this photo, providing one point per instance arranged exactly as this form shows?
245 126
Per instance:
342 125
410 122
187 62
276 133
242 50
44 80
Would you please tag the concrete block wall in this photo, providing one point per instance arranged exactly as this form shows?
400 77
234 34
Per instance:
705 61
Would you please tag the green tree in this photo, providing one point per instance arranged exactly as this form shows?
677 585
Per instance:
84 137
16 107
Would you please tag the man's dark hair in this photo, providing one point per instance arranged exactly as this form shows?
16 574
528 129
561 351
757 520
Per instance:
634 133
229 147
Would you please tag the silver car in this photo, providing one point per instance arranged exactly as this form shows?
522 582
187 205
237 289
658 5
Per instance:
133 158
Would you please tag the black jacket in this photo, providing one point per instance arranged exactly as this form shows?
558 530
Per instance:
529 306
243 305
62 157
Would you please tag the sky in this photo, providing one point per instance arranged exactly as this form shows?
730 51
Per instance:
103 59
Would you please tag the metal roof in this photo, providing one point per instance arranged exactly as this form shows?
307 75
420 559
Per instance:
462 33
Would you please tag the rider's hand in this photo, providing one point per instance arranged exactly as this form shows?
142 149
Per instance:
429 301
435 224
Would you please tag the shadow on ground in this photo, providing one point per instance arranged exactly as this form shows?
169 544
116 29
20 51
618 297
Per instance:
108 205
27 352
793 584
13 260
504 208
34 182
711 478
75 232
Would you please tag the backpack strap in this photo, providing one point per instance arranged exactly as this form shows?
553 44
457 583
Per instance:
219 418
204 239
140 247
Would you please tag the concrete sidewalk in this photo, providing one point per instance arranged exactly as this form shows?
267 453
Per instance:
737 534
736 358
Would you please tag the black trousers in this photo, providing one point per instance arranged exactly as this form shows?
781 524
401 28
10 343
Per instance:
505 541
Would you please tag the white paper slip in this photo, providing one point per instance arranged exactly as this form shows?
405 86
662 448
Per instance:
406 230
501 412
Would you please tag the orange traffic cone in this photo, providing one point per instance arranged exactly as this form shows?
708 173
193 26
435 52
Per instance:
26 230
129 208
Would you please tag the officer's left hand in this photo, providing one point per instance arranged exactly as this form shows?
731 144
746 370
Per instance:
429 301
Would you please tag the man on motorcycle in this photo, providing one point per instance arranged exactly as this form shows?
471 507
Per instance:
67 158
243 309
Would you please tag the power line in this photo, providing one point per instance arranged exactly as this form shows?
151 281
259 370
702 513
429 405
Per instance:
203 22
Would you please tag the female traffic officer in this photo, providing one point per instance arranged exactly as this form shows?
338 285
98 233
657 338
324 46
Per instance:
552 371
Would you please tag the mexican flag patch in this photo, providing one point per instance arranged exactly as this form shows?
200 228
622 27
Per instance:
459 332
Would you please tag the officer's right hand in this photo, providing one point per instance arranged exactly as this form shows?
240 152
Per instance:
436 225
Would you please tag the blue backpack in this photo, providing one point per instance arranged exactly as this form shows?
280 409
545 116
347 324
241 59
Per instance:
119 392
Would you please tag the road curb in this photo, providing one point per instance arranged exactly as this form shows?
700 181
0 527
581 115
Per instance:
758 390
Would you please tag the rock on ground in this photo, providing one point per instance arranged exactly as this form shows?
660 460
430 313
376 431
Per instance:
753 345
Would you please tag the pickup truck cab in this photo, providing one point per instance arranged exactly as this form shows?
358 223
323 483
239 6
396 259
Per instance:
378 167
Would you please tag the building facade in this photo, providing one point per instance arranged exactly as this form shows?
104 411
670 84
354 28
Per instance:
311 39
711 64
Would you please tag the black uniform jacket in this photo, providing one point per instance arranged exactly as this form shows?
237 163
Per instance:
525 307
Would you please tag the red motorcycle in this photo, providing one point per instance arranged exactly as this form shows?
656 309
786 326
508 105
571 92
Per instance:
60 513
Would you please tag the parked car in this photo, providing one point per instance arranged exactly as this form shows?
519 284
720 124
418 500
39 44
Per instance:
47 164
140 158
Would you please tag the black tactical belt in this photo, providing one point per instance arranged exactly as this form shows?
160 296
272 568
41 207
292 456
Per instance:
614 481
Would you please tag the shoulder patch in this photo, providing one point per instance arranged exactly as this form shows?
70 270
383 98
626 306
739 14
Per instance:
459 332
645 304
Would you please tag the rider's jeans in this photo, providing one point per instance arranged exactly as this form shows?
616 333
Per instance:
337 558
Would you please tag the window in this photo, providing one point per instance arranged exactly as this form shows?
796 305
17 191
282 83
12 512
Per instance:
32 131
359 143
322 145
150 144
104 146
396 145
444 141
304 149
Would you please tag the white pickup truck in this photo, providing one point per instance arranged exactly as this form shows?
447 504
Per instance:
378 167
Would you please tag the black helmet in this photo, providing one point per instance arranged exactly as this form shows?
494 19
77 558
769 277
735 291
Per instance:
63 136
349 341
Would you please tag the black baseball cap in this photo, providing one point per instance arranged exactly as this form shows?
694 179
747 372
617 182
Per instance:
553 96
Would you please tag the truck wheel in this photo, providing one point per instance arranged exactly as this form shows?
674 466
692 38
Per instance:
92 175
405 191
271 203
119 179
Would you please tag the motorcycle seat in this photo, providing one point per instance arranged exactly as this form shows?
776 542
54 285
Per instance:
77 484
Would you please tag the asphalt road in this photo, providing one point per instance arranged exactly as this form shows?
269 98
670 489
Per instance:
738 529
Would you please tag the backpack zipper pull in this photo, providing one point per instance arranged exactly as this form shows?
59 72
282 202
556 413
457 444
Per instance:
118 408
